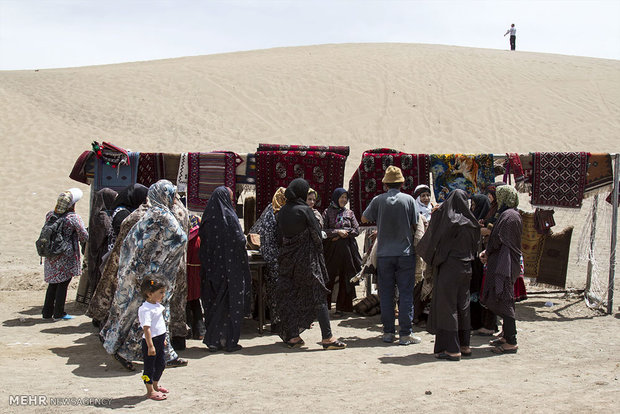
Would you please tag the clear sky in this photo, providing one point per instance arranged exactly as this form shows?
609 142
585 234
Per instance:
67 33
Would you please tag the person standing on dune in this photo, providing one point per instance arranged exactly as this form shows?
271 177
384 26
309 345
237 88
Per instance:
513 36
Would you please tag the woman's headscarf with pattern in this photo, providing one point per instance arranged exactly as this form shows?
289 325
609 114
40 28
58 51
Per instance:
279 199
507 197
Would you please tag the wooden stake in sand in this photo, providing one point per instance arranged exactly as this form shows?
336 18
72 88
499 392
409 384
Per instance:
614 228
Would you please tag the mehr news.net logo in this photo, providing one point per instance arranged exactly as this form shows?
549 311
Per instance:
44 400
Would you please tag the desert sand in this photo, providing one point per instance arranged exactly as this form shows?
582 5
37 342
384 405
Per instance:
411 97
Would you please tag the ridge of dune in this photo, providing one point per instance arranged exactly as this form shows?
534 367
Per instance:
412 97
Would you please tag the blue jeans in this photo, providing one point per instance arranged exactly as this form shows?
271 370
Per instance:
396 271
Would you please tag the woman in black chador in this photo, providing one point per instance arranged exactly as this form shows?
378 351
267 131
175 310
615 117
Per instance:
449 246
300 291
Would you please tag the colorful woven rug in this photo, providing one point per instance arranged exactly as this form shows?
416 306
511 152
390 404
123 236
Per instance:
559 178
206 172
471 173
525 185
182 173
150 168
323 170
531 245
342 150
599 175
554 258
366 181
246 170
116 178
513 166
81 167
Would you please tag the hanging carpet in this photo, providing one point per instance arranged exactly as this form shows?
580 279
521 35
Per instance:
206 172
559 178
470 173
323 170
366 182
342 150
599 175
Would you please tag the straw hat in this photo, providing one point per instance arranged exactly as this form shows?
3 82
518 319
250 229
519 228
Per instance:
393 175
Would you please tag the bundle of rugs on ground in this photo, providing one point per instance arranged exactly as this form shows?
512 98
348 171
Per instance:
545 252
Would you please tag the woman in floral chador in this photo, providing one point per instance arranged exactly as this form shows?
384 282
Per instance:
154 246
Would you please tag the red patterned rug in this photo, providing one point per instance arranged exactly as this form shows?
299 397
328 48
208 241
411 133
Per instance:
342 150
323 170
366 181
207 171
559 178
150 168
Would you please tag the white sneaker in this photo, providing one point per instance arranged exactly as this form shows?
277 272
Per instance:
388 338
409 340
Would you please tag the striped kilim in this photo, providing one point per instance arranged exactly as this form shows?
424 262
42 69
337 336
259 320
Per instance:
207 171
559 178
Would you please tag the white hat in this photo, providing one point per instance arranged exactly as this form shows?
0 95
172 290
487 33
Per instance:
76 195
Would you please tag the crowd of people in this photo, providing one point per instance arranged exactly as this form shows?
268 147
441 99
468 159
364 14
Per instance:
454 267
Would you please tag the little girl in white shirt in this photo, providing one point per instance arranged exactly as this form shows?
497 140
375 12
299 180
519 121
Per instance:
152 322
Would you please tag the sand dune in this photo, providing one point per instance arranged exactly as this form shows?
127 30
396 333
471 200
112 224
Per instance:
416 98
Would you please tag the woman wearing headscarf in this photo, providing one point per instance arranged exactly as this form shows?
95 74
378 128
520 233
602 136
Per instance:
267 228
302 274
422 196
450 246
423 276
226 282
154 246
502 258
341 252
491 216
127 200
483 321
59 270
99 234
101 301
311 200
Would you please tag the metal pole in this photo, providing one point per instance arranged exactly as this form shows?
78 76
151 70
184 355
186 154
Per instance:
592 236
614 228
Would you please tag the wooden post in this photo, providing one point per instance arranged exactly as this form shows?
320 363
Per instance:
592 237
614 228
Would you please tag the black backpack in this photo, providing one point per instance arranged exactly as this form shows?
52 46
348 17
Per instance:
52 241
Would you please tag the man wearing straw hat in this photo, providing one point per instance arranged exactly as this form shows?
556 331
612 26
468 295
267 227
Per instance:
396 217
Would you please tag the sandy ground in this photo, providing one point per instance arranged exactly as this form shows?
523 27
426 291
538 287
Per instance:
415 98
568 362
